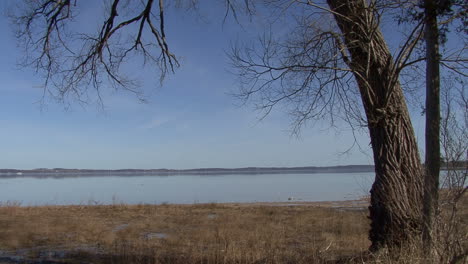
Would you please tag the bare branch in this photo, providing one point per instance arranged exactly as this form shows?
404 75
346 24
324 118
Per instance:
74 62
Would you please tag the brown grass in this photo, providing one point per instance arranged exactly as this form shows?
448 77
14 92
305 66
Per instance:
207 233
204 233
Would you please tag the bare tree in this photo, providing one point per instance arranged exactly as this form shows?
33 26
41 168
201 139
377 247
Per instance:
440 17
448 229
432 157
396 192
72 62
317 70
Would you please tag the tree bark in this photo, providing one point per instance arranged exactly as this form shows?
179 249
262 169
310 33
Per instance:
432 157
396 195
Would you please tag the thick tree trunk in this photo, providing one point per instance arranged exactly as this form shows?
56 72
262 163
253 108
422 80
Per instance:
396 195
432 158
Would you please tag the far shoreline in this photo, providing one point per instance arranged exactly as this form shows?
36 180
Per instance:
62 173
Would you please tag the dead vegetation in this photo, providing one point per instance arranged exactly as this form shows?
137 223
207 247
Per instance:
205 233
199 233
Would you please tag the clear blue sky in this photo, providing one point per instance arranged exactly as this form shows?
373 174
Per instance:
190 122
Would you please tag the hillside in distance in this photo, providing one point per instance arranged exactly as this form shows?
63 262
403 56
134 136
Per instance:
61 172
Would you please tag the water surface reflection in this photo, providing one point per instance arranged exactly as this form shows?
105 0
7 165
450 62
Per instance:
186 188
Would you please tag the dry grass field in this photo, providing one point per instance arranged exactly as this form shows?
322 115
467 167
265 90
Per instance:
198 233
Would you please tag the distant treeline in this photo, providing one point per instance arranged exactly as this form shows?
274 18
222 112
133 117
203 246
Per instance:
454 164
61 172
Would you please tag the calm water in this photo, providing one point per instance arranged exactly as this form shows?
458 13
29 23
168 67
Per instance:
186 188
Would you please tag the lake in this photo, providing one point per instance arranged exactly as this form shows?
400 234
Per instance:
186 189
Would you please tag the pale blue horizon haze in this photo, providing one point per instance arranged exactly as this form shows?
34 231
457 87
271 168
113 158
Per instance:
192 121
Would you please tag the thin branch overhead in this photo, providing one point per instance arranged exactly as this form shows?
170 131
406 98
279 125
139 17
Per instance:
72 62
308 73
